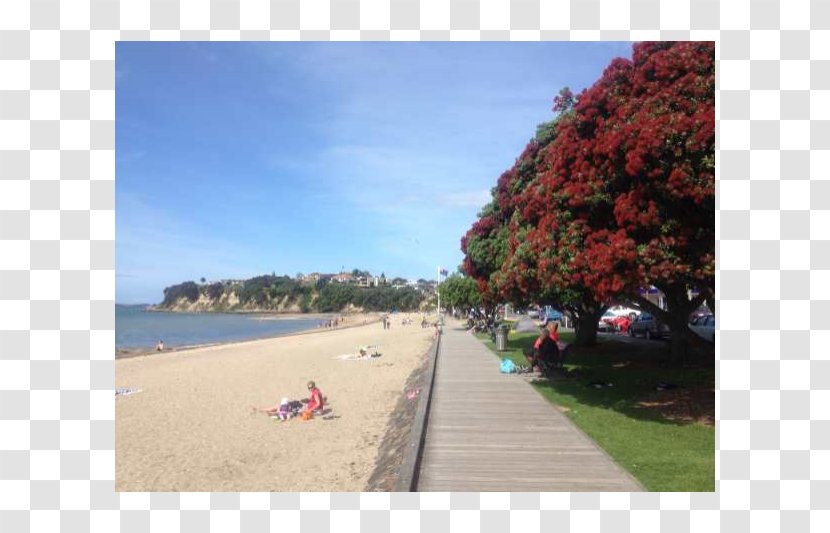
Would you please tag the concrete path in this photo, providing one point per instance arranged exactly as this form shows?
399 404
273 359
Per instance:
489 431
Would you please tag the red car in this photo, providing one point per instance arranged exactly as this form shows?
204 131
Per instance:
615 323
621 323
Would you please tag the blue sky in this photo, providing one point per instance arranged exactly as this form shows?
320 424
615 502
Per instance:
240 159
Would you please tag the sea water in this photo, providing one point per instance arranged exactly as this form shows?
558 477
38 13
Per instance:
137 328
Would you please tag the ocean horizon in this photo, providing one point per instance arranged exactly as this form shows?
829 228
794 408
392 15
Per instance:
137 328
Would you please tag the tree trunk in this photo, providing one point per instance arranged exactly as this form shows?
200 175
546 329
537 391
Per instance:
676 316
710 297
586 333
586 319
679 341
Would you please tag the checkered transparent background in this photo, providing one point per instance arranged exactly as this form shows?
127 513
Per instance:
57 264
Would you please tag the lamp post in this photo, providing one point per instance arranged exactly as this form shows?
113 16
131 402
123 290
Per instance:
441 272
438 291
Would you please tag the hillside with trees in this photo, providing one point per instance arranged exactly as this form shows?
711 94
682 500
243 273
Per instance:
271 293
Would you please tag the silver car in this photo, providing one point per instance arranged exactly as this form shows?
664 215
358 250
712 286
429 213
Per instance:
647 326
704 326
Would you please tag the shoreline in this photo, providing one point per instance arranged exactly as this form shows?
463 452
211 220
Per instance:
189 426
127 353
264 312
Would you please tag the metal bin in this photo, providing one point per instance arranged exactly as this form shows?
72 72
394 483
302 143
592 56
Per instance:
501 338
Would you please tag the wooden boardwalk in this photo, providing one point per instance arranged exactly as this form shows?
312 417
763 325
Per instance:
489 431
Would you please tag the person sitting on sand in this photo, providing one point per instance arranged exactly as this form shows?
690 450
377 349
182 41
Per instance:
315 400
160 346
285 410
276 410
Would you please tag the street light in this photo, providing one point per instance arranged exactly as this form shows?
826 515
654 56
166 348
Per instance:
441 272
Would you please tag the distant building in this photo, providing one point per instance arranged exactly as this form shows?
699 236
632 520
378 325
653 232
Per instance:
344 277
653 295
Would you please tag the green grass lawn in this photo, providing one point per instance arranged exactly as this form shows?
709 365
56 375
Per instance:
609 391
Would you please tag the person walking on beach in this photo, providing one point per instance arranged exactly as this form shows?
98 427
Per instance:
160 346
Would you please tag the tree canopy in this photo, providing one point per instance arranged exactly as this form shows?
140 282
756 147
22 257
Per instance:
615 194
460 292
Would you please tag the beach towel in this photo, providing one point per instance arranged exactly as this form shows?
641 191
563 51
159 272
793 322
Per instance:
126 392
508 366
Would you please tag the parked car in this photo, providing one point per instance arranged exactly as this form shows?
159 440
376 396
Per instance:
552 314
704 326
647 326
617 318
606 321
621 310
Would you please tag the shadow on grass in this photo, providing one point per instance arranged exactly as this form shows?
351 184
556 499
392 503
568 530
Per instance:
636 379
609 392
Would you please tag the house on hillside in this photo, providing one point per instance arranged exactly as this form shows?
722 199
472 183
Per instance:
344 277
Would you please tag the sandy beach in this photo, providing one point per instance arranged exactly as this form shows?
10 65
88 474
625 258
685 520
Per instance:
190 428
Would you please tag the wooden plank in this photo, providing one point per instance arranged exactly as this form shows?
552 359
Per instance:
492 432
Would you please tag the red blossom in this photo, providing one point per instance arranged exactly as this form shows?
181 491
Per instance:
621 196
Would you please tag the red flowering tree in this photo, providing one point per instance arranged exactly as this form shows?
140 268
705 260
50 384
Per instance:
484 248
626 195
615 195
510 255
538 267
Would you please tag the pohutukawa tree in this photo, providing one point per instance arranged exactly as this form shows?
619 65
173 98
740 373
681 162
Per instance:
615 195
484 248
632 163
507 255
489 245
535 269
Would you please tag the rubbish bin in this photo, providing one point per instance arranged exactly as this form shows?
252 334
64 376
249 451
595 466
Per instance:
501 338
